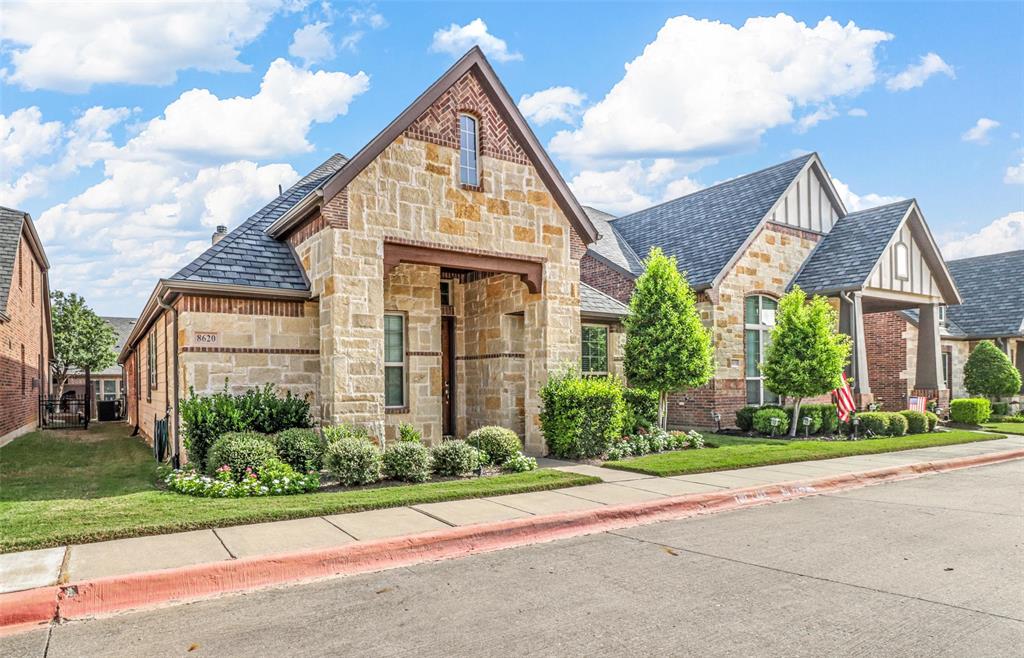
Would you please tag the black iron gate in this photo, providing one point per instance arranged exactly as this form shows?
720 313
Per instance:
69 411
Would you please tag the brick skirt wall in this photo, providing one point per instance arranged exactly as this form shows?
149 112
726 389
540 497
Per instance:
693 408
887 358
18 407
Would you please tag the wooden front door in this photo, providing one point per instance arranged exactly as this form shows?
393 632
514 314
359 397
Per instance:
447 376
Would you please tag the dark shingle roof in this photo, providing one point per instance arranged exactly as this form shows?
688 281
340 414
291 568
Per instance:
992 288
11 222
594 301
845 257
612 246
704 230
950 328
249 257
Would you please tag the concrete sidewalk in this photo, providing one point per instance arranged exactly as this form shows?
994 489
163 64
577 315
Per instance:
47 567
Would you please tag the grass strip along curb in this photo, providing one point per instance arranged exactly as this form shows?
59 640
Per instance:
730 457
1009 428
43 523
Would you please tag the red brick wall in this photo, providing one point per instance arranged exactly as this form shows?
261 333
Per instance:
887 358
693 408
609 281
23 345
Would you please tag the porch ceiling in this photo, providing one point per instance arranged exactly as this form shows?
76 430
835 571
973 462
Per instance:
530 271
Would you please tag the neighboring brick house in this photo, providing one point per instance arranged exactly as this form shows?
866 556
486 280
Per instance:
433 278
109 384
26 340
992 309
746 242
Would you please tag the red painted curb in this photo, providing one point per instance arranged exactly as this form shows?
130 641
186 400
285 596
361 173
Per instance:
114 594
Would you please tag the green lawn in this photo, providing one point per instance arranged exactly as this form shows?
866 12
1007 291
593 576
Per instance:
83 487
764 453
1009 428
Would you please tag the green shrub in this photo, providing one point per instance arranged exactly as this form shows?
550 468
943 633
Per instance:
408 433
519 463
745 416
917 422
353 461
933 420
500 443
581 416
300 448
1000 408
828 417
345 431
454 458
807 411
263 411
970 411
763 421
641 409
241 451
408 461
896 424
875 422
990 372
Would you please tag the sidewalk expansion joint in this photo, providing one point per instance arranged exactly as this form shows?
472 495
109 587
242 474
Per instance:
221 540
343 531
433 516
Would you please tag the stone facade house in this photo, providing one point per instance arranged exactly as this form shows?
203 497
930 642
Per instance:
26 338
745 242
432 278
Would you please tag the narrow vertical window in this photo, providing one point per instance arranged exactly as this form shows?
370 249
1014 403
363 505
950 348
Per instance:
23 370
32 271
758 321
902 266
151 361
468 173
394 361
594 350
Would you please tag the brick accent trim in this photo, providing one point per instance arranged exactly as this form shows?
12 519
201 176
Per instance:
461 250
423 354
247 350
332 215
241 306
396 410
813 236
497 355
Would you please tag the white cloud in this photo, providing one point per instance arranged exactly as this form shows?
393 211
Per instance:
456 39
857 112
823 113
75 45
855 202
1003 234
24 134
915 75
978 133
1015 174
351 41
632 186
552 104
312 43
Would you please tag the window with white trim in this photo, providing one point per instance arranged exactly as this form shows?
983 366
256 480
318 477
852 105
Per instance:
468 144
947 370
594 349
394 360
758 322
902 257
151 360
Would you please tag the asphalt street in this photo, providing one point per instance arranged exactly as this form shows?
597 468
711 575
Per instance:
925 567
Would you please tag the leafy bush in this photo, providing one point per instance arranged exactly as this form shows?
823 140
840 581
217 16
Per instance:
875 422
970 411
353 461
408 461
1000 408
581 416
454 458
763 421
1016 418
897 424
300 448
917 422
933 420
519 463
641 409
409 434
263 411
500 443
241 451
745 416
807 411
275 479
989 371
827 416
345 431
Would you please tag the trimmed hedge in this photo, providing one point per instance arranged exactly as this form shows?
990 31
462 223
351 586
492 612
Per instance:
933 420
641 409
500 443
300 448
917 422
454 458
581 416
745 416
408 461
806 411
763 421
970 411
354 461
897 424
883 423
239 451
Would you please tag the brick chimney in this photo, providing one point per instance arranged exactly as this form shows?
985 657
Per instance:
219 234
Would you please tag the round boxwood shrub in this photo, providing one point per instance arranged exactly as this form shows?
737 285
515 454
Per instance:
239 451
917 422
500 443
807 411
300 448
454 458
827 417
970 411
408 461
581 416
745 418
763 421
353 461
896 424
875 422
933 420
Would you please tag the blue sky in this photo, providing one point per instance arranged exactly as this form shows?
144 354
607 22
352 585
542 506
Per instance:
129 131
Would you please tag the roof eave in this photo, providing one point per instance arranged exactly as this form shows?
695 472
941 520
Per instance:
601 315
296 213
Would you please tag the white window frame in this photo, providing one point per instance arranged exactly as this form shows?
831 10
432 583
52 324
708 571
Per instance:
763 330
607 351
901 262
402 365
464 169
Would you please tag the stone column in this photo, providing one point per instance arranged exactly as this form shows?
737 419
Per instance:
851 323
929 352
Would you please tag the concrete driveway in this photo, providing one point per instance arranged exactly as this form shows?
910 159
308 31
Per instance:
926 567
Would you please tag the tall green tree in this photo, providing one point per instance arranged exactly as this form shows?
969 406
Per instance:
668 349
82 340
806 355
990 372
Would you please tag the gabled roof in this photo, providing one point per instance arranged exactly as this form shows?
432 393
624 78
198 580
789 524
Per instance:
14 223
472 62
949 329
992 288
596 304
706 229
611 247
247 256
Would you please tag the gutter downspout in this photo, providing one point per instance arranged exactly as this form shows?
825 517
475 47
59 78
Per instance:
177 434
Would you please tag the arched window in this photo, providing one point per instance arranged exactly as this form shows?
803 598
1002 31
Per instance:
468 144
902 256
758 321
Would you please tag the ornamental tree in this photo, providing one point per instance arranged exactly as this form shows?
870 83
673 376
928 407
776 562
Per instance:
806 355
989 372
82 340
668 349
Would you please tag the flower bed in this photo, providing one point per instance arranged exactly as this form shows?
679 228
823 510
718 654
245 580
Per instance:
274 479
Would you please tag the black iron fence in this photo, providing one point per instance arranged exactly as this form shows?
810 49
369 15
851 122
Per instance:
65 412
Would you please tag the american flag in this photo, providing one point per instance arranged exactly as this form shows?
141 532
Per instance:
844 400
